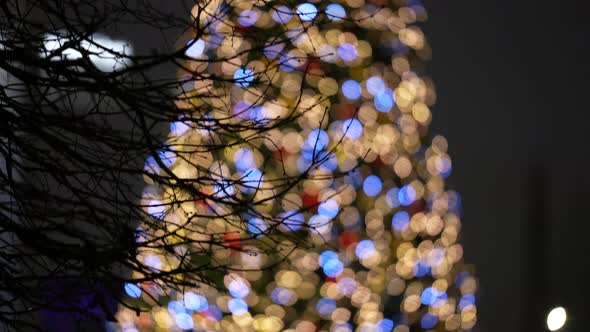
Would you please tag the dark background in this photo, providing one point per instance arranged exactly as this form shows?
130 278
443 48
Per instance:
512 83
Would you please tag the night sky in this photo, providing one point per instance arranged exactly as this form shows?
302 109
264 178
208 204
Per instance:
512 86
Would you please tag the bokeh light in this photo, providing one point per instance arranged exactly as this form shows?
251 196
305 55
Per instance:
335 12
351 89
133 290
195 48
306 11
556 319
243 77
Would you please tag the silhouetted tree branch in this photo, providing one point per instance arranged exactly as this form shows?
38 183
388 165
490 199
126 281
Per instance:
80 114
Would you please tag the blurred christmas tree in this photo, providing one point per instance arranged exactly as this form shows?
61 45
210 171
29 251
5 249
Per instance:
323 205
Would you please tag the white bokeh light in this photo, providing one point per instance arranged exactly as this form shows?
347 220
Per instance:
107 55
556 319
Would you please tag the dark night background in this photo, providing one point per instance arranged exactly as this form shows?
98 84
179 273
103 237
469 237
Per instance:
512 83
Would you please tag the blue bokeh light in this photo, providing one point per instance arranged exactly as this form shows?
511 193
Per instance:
151 166
156 209
328 209
291 220
347 52
258 115
365 249
331 163
244 159
195 302
307 11
317 140
248 17
330 263
243 77
257 226
384 101
313 146
273 50
354 178
385 325
251 180
372 185
441 299
422 268
304 161
281 295
215 312
325 306
178 128
429 296
289 62
444 167
195 49
333 268
184 321
133 290
375 85
238 288
406 195
237 306
400 221
428 321
351 89
176 307
466 300
327 256
335 12
391 198
352 128
282 14
319 223
224 188
167 156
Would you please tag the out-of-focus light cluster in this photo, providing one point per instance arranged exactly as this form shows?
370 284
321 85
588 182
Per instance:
104 53
368 241
556 319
